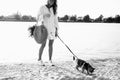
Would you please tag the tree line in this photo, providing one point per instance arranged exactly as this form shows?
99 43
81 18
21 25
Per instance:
18 17
87 18
65 18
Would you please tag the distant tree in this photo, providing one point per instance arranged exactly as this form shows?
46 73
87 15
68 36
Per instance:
99 19
33 18
110 20
65 18
1 17
87 18
73 18
80 19
17 16
28 18
25 18
117 18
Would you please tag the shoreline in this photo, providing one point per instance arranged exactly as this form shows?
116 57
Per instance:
59 61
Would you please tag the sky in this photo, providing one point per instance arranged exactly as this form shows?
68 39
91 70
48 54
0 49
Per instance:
70 7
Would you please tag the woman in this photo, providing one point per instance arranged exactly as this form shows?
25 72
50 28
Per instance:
48 17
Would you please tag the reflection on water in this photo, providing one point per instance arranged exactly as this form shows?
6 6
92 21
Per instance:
86 40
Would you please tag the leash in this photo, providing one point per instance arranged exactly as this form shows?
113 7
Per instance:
67 47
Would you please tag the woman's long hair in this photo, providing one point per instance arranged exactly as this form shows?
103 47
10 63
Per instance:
54 6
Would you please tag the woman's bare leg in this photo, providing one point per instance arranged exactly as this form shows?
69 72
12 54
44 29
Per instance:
41 50
50 49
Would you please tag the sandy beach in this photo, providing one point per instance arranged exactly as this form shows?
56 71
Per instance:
106 69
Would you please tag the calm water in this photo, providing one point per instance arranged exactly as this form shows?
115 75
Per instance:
86 40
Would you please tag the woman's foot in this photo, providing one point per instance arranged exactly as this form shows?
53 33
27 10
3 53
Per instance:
40 62
51 63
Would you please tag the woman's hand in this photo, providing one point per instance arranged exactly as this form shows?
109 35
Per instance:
56 32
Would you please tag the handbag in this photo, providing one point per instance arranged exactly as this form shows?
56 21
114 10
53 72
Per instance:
40 34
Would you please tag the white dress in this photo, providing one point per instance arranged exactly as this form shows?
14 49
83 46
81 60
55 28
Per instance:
49 20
